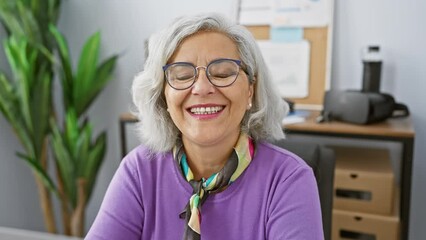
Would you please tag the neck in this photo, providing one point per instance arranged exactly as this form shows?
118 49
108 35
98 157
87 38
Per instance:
204 161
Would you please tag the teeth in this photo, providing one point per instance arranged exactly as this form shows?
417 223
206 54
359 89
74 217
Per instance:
206 110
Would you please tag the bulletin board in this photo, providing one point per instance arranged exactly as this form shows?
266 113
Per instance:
319 38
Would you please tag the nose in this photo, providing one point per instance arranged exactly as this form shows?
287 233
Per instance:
202 85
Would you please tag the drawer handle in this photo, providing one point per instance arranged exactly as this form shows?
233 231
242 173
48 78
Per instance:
346 234
353 194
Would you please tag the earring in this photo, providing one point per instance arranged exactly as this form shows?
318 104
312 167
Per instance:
249 106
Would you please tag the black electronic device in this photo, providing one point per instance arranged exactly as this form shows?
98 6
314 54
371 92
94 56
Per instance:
360 107
372 67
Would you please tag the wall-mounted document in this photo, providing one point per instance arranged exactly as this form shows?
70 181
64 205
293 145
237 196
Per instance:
285 13
300 13
288 65
255 12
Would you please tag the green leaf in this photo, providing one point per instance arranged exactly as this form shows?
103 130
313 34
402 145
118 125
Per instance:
84 147
35 165
64 162
11 48
29 23
53 10
71 132
10 18
103 76
104 71
7 98
16 53
9 106
40 107
94 162
67 76
86 72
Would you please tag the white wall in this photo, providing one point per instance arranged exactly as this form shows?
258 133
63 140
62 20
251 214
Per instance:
125 24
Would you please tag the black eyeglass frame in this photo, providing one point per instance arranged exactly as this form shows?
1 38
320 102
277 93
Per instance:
238 62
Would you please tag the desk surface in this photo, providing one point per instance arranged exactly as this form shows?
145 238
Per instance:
397 127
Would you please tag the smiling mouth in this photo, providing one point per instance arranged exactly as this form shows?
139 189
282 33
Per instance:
206 110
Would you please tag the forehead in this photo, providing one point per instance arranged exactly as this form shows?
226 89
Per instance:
205 46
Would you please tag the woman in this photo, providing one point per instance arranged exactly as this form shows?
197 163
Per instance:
205 170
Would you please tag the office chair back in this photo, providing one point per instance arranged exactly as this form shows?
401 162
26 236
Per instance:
322 161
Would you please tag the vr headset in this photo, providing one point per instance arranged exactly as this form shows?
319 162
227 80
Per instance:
360 107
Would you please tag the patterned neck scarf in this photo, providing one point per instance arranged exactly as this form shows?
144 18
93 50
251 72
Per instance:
238 161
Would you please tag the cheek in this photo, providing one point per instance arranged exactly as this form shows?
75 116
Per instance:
174 100
169 102
246 95
170 97
166 99
240 101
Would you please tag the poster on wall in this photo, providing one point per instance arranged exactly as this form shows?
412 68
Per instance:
285 13
288 64
255 12
300 13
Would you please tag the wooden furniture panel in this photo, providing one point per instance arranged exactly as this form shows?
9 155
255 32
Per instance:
398 130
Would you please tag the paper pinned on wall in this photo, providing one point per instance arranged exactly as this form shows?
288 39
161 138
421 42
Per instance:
288 65
255 4
285 13
255 12
300 13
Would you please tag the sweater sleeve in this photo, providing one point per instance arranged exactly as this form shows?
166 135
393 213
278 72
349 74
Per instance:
295 211
121 212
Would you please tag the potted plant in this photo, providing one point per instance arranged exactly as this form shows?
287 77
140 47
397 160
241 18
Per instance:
37 53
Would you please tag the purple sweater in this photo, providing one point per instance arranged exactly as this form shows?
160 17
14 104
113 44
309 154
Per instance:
275 198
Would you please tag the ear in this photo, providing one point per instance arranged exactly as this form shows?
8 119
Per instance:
252 86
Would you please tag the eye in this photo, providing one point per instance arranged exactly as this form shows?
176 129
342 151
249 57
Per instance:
223 69
183 76
223 73
181 72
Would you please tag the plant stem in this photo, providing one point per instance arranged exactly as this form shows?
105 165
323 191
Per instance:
46 206
77 218
44 194
66 218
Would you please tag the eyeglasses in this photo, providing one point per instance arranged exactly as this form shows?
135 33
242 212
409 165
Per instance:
221 73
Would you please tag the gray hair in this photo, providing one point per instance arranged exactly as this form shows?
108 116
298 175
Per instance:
156 128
